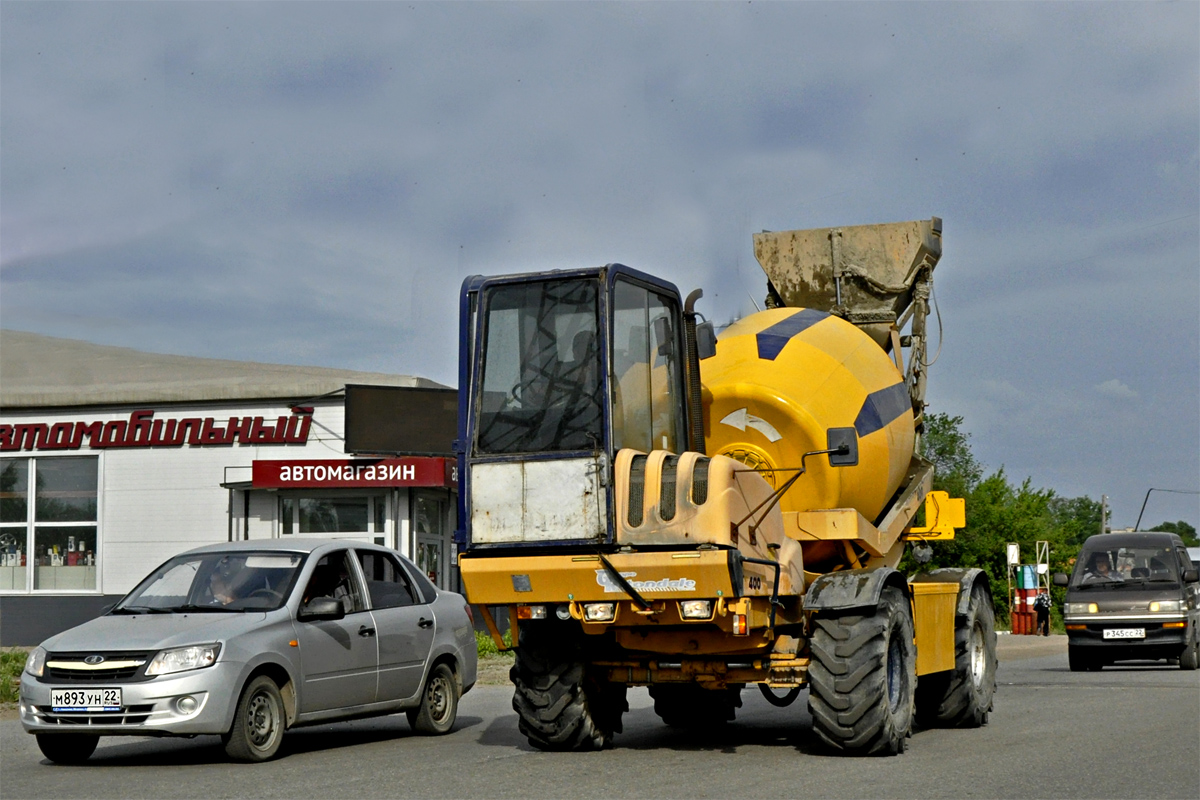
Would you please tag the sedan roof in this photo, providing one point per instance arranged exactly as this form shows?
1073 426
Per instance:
289 545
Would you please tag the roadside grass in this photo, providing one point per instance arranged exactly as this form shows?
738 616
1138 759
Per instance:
487 645
12 661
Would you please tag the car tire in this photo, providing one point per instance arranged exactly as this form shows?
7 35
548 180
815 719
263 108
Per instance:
962 697
439 703
862 678
67 748
258 723
1189 659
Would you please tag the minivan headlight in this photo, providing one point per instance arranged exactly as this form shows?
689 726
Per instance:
182 659
35 662
1164 605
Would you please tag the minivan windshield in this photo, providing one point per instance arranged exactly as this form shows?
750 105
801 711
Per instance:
216 582
1121 567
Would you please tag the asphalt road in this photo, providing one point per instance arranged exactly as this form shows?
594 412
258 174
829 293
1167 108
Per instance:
1127 732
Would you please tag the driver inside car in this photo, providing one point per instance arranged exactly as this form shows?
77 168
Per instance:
223 584
1100 568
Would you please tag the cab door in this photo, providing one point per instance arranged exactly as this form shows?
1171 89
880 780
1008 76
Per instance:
339 658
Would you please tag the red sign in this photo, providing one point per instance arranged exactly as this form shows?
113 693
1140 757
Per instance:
142 430
355 473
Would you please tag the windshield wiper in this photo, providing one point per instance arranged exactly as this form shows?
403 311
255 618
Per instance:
140 610
204 609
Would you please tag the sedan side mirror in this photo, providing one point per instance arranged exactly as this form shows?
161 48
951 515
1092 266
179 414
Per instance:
1061 579
1191 575
321 608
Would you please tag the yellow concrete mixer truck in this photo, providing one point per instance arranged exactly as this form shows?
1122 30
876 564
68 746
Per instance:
658 506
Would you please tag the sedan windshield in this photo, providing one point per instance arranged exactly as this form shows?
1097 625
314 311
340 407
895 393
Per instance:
1125 567
217 582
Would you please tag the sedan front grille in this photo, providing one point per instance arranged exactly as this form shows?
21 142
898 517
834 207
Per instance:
74 667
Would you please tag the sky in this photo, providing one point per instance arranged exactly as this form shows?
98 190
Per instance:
309 183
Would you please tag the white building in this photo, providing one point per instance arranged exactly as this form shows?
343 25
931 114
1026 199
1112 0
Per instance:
113 460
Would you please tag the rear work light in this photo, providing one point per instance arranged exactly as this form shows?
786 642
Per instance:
599 612
531 612
696 609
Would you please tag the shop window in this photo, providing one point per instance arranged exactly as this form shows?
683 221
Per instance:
48 523
430 524
329 515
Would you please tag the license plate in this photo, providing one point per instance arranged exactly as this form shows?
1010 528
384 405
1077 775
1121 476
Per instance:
81 700
1124 633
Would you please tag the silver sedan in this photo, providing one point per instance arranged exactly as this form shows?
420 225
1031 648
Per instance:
248 639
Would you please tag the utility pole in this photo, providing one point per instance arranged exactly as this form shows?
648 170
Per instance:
1104 513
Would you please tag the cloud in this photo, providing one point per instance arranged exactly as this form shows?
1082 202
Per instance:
310 183
1114 388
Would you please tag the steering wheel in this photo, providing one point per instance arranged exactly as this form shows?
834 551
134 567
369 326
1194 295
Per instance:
518 389
271 593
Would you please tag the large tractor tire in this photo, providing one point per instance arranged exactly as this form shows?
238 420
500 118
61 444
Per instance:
687 705
862 678
962 697
559 705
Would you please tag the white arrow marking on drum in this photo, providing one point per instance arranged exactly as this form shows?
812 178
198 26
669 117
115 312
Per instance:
742 419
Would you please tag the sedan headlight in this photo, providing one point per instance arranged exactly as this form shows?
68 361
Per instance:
35 663
182 659
1165 605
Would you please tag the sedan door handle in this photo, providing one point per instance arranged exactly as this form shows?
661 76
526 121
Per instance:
425 623
365 631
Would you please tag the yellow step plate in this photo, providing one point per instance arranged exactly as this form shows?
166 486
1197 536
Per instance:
934 605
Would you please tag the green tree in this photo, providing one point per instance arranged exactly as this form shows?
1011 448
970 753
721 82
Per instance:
1079 517
946 445
999 513
1186 532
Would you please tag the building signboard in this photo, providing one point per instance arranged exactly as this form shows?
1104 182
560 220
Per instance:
355 473
142 430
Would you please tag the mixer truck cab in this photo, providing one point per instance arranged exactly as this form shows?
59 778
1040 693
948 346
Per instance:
573 367
658 507
1132 596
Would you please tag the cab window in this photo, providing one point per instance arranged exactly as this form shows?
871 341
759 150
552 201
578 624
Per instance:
647 370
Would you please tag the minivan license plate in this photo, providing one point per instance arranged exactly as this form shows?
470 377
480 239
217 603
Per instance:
1125 633
68 700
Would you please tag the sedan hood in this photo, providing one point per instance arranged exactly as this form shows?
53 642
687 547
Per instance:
149 632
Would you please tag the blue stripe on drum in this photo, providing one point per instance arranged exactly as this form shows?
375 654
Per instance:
772 340
881 408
